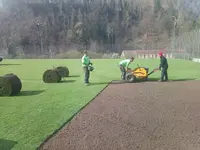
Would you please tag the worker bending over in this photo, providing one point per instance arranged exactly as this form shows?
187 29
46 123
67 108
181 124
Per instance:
124 66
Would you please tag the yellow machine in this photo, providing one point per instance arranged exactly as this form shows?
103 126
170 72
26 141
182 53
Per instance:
139 72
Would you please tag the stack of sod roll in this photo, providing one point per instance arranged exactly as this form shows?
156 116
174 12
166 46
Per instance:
55 75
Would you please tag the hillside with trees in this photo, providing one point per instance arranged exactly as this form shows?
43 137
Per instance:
51 27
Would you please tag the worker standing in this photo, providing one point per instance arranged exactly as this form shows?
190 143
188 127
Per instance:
124 66
163 67
85 64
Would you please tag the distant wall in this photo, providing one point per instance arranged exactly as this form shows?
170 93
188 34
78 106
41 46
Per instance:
196 59
153 56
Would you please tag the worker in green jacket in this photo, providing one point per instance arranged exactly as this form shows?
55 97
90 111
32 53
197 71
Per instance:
163 67
124 66
85 63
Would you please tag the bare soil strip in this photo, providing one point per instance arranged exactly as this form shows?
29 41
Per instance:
145 116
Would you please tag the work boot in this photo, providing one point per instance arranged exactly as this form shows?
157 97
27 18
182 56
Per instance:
122 77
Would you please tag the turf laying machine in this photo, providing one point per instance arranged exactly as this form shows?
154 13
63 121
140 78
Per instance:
138 73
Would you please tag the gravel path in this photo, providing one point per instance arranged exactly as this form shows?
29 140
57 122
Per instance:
143 116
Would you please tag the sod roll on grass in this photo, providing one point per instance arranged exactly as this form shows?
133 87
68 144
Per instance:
10 85
51 76
63 71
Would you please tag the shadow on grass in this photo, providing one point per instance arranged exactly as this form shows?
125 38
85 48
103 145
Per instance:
105 83
67 81
7 144
9 64
99 83
30 93
73 76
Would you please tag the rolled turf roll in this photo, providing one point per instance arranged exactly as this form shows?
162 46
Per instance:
10 85
63 71
51 76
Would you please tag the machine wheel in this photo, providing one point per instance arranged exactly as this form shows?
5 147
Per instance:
130 78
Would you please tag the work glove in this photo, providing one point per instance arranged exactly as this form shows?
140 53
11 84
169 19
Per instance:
128 70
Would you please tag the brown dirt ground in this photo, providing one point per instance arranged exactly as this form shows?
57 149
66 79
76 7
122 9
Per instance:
144 116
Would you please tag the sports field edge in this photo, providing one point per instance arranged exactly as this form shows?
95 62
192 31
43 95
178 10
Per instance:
70 119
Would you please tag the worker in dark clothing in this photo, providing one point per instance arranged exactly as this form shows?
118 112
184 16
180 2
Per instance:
163 67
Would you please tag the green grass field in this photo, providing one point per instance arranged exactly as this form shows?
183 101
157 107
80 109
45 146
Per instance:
40 109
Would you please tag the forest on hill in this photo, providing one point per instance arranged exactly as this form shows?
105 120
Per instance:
50 27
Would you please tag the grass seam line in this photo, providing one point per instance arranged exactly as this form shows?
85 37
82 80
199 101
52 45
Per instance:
70 119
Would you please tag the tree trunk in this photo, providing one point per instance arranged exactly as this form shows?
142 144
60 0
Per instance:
41 45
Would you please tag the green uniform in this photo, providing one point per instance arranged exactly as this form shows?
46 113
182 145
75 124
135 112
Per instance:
164 67
123 65
85 63
85 60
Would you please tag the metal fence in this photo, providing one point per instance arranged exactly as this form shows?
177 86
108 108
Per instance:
188 43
